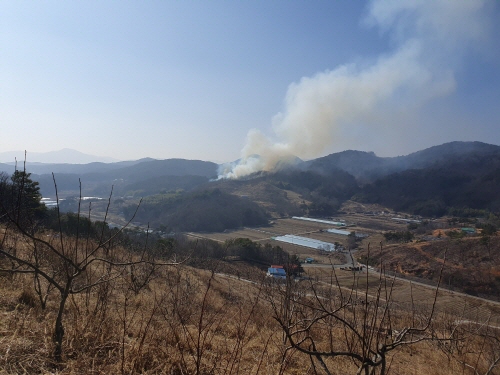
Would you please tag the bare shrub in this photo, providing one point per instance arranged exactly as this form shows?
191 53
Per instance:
68 265
360 326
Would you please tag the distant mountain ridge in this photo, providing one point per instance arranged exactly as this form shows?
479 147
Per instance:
64 156
429 182
365 166
49 168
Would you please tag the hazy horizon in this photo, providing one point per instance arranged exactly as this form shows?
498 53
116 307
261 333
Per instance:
72 156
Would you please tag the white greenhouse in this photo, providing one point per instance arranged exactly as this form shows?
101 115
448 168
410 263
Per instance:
337 223
306 242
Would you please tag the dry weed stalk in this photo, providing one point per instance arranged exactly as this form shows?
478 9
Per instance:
69 265
475 346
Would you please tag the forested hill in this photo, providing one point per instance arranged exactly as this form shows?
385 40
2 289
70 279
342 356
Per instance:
205 210
469 181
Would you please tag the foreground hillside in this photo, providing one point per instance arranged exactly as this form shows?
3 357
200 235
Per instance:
182 320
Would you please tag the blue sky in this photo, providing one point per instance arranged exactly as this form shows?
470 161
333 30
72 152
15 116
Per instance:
216 80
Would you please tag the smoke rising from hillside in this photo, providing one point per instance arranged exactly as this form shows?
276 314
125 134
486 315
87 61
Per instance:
430 39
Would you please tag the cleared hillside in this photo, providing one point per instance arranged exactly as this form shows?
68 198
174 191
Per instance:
471 264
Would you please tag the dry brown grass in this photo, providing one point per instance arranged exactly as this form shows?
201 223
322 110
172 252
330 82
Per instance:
191 321
180 325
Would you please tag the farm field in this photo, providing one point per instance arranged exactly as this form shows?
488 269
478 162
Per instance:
359 223
456 304
281 227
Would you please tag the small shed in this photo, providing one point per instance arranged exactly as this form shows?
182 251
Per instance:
277 272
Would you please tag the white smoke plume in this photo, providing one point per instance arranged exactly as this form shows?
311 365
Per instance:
429 37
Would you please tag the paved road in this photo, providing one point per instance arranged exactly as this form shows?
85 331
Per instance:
441 288
433 287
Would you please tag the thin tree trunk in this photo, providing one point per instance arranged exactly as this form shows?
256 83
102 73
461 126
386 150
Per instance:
59 328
